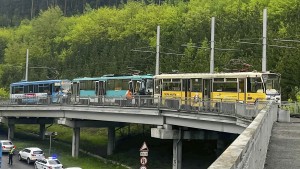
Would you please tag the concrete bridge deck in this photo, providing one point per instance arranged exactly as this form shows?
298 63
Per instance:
284 147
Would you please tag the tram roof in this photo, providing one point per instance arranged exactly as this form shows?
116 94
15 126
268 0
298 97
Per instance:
38 82
212 75
104 78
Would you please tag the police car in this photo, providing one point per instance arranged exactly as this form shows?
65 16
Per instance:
48 163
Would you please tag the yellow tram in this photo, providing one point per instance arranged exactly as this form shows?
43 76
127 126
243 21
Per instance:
237 86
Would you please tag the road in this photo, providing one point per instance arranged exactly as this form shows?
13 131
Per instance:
16 163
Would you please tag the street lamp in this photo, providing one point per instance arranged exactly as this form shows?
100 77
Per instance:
50 133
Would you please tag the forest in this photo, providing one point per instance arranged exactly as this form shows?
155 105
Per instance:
83 38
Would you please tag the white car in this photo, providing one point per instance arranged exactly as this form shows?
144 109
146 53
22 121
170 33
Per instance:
7 145
31 154
52 163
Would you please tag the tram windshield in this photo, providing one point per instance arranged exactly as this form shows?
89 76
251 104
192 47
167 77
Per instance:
272 83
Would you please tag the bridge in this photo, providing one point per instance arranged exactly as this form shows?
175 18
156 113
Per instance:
174 120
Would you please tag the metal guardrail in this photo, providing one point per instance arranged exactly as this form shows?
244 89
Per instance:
188 105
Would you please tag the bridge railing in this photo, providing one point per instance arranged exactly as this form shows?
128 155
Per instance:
293 107
189 105
249 150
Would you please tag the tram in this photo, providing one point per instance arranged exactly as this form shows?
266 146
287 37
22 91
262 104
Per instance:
111 86
33 92
238 86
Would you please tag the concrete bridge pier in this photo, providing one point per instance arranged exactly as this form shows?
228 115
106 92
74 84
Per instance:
177 153
111 140
77 124
11 131
75 141
178 134
42 131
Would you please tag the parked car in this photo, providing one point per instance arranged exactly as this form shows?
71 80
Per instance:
52 163
31 154
7 145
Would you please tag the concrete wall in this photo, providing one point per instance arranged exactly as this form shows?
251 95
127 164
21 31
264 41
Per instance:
249 150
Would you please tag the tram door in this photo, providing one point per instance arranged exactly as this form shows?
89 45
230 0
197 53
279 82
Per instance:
186 92
206 91
100 90
75 91
242 90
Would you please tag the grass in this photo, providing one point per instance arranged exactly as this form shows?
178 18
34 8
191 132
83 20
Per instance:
197 154
62 151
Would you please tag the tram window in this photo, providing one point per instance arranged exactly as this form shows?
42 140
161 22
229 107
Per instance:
149 84
231 79
110 85
272 82
43 88
157 86
231 87
167 86
218 79
241 85
30 88
26 90
118 85
87 85
255 85
170 86
35 89
196 85
186 85
17 89
125 84
218 87
225 87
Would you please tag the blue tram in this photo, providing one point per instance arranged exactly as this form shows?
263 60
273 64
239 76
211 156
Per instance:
111 86
39 91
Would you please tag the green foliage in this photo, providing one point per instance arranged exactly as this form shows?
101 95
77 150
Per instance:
4 93
102 40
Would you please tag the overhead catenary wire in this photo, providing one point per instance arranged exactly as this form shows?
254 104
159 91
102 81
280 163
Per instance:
147 51
280 46
221 49
287 40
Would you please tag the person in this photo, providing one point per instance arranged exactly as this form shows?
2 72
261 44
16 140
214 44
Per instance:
10 155
129 97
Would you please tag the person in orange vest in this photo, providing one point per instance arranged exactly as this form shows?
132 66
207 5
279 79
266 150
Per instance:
128 95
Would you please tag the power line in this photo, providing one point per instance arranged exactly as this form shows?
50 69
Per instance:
287 40
279 46
147 51
221 49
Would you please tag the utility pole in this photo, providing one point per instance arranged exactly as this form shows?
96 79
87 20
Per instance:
31 9
26 73
157 51
212 44
264 54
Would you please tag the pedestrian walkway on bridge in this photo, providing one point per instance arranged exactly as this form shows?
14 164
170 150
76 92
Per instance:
284 147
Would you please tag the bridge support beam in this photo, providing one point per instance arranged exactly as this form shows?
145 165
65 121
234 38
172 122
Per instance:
42 131
111 140
220 144
11 131
75 142
177 153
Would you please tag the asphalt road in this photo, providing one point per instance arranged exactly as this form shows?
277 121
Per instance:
283 150
16 163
